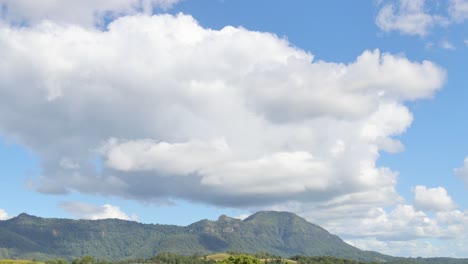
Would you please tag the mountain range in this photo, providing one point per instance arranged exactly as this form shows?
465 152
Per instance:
279 233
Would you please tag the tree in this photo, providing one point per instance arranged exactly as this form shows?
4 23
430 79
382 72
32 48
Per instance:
56 261
83 260
241 259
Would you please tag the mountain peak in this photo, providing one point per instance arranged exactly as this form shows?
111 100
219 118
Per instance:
262 215
24 215
225 218
23 218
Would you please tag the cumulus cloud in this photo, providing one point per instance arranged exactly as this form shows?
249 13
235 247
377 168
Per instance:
84 12
242 216
88 211
415 17
458 10
402 224
403 230
376 228
178 158
408 17
405 248
228 117
3 214
455 217
462 172
432 199
447 45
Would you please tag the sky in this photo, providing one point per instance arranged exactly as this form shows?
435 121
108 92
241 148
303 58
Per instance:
348 113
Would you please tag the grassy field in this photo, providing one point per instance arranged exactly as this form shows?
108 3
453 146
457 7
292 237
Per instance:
19 261
217 257
222 256
285 260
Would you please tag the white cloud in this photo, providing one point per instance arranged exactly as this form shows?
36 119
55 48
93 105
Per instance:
403 230
458 10
466 42
432 199
242 216
403 248
462 172
178 158
401 224
408 17
3 214
83 12
226 117
231 131
416 17
454 217
406 232
69 164
88 211
447 45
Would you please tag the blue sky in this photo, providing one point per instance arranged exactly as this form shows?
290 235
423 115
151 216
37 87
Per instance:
348 113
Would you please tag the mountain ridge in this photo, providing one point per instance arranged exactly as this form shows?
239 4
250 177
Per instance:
279 233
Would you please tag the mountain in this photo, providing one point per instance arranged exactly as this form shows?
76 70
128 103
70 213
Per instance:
278 233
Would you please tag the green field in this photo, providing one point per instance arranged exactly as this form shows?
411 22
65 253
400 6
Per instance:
216 257
19 261
223 256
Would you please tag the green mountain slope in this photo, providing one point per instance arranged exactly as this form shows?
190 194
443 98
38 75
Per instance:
278 233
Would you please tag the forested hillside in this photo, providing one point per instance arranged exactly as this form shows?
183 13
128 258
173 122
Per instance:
281 234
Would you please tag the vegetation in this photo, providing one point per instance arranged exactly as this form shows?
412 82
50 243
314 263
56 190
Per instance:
169 258
273 235
217 257
241 259
280 233
19 261
56 261
236 258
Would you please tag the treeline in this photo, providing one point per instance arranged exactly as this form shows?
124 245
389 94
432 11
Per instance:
240 258
233 258
325 260
83 260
